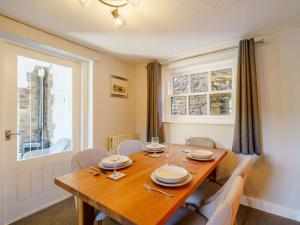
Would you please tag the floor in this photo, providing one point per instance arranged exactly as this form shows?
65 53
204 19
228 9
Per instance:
64 213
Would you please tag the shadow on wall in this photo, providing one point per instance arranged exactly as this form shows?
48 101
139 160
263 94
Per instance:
260 175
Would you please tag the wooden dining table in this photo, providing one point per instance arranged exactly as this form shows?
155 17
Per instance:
127 201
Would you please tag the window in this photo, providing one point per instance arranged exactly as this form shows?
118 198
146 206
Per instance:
45 108
203 94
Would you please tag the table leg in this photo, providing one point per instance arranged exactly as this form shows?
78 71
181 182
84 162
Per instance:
85 213
213 175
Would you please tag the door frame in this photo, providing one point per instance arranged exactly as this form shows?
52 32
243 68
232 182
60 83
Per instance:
86 78
1 127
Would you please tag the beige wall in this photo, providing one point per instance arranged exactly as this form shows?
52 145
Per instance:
112 115
276 175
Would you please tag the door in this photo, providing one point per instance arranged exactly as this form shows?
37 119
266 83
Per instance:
42 128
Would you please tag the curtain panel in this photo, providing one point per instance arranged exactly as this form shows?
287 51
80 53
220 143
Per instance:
247 126
154 102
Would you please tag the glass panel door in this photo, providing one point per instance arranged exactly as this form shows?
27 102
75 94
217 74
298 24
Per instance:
42 99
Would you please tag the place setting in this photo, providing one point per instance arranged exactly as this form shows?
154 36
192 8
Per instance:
154 148
199 155
169 175
115 162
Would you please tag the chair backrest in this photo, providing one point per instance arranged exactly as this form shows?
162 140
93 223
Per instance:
234 195
130 146
231 197
201 142
222 215
242 170
87 158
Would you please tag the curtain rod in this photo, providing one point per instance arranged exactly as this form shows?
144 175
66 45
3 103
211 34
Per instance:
261 41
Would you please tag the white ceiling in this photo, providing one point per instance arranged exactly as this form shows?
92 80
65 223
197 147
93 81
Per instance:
157 28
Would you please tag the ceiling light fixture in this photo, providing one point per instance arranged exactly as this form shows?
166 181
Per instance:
119 19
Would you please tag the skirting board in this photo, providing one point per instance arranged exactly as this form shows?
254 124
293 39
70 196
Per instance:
271 208
67 195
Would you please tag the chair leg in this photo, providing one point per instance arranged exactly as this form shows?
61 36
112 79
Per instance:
99 222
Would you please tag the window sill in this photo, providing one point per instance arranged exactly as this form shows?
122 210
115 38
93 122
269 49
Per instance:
205 121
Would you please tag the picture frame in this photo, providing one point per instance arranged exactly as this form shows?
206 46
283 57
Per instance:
118 86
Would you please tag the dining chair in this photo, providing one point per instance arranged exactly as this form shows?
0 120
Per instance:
86 159
130 146
208 191
201 142
222 211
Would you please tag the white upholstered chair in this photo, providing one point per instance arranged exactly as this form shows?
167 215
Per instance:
130 146
86 159
208 191
221 211
201 142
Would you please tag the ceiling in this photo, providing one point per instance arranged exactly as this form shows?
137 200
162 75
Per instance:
157 28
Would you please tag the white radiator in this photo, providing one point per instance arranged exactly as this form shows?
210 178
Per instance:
115 140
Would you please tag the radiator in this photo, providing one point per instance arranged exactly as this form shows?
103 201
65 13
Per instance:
115 140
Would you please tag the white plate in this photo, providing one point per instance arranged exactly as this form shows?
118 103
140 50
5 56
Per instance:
107 162
186 181
151 147
112 168
201 154
153 150
170 174
199 159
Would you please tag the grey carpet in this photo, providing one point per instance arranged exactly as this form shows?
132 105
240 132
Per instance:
64 213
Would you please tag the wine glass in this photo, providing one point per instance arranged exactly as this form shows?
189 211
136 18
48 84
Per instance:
187 143
114 156
155 142
168 151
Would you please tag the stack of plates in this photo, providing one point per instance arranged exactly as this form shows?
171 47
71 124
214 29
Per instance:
201 155
108 164
151 148
171 176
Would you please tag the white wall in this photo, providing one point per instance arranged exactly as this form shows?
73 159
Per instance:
275 179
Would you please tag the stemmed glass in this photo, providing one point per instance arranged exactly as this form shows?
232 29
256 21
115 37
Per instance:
115 156
155 142
168 151
187 143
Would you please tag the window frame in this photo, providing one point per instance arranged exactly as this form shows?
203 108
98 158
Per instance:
195 69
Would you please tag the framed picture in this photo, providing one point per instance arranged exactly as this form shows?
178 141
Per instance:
119 86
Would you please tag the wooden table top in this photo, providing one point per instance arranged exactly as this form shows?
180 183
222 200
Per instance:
126 200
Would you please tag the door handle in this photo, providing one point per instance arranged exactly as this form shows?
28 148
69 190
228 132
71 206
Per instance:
9 133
